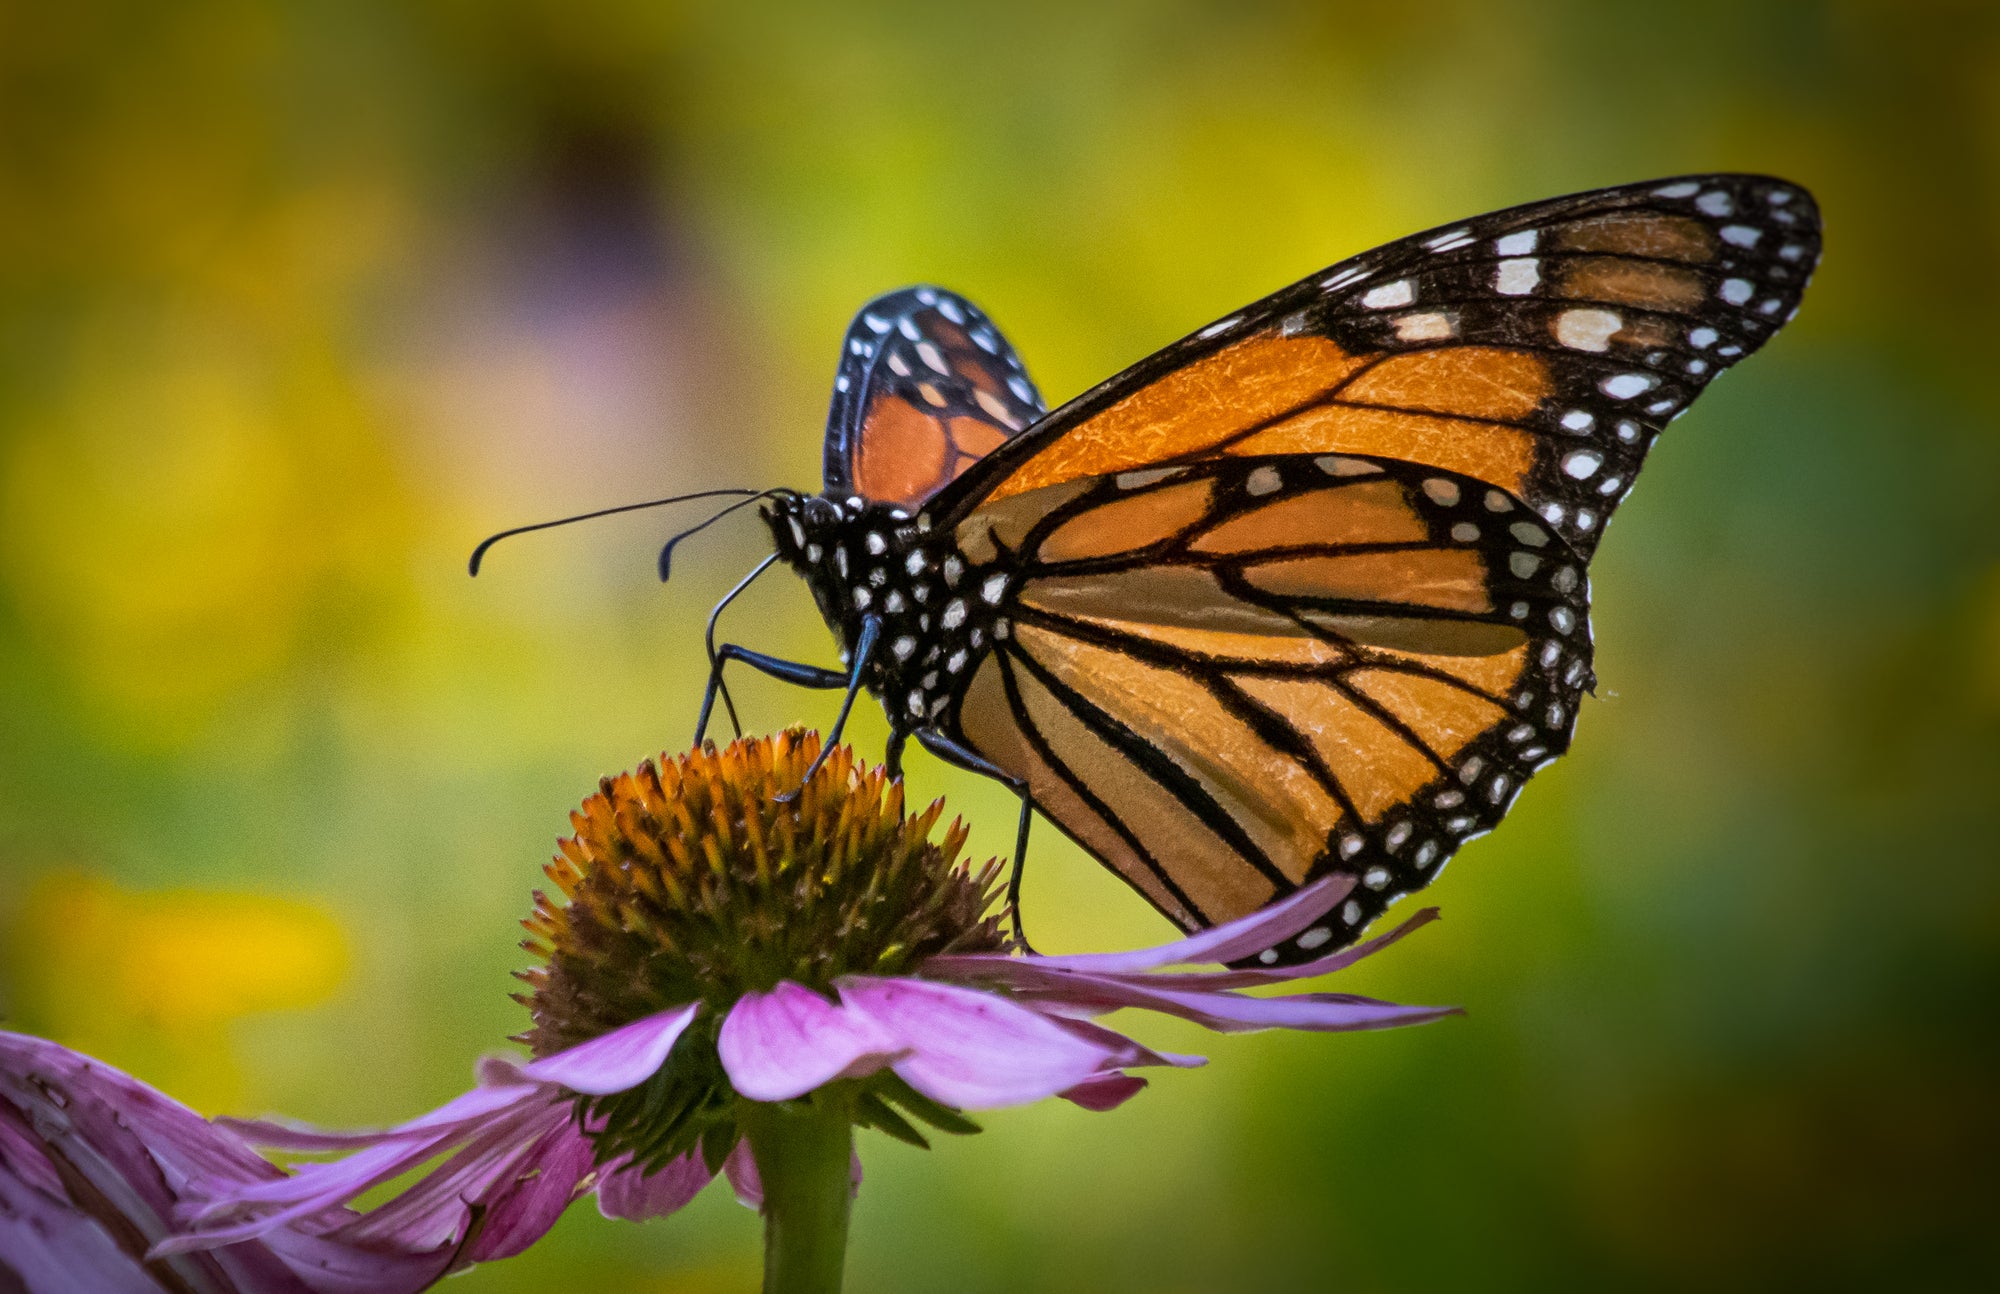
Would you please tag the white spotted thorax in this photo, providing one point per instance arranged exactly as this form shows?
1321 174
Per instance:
939 610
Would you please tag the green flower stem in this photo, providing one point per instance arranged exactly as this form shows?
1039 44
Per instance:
804 1151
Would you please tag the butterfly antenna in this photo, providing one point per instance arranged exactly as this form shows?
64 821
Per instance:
479 553
667 550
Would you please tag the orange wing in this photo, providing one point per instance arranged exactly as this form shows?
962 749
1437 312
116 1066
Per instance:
1306 591
1540 350
927 386
1231 676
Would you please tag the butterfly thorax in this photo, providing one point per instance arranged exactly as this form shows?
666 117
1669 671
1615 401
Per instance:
939 611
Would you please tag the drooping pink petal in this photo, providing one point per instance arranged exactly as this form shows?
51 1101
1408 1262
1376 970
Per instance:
151 1144
627 1193
325 1265
616 1061
785 1043
1125 1052
316 1188
521 1209
1105 1092
481 1170
741 1170
1253 976
971 1049
135 1154
466 1110
1221 1010
48 1245
1231 941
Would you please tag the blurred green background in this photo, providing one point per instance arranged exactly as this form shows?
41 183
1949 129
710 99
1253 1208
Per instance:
298 300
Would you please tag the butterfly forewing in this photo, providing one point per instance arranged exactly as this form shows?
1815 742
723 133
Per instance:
1540 349
927 385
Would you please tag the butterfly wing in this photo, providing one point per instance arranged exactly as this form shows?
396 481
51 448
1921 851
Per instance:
1306 590
1540 349
1228 678
926 387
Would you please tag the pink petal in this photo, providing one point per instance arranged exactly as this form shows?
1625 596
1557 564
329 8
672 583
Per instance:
465 1110
621 1059
524 1207
1243 937
974 1050
149 1143
136 1153
46 1244
785 1043
1124 1051
316 1187
741 1169
1105 1092
1256 975
1221 1010
435 1209
327 1266
625 1192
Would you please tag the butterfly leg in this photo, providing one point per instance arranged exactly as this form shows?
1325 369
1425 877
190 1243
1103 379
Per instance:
953 753
789 671
892 754
864 647
714 664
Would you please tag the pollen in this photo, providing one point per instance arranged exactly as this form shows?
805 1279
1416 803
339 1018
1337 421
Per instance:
708 875
701 877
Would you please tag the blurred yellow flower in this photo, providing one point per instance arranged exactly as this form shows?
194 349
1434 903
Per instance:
151 980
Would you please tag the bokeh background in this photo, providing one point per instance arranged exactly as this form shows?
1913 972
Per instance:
298 300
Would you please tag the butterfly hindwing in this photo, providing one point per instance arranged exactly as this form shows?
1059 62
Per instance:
1539 349
1228 678
926 386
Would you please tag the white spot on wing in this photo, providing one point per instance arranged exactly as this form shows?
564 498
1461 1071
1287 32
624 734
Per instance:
1582 463
1517 277
1623 386
1137 480
1399 293
1425 327
1587 329
1516 244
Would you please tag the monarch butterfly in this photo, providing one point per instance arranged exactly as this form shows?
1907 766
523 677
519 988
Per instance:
1306 590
